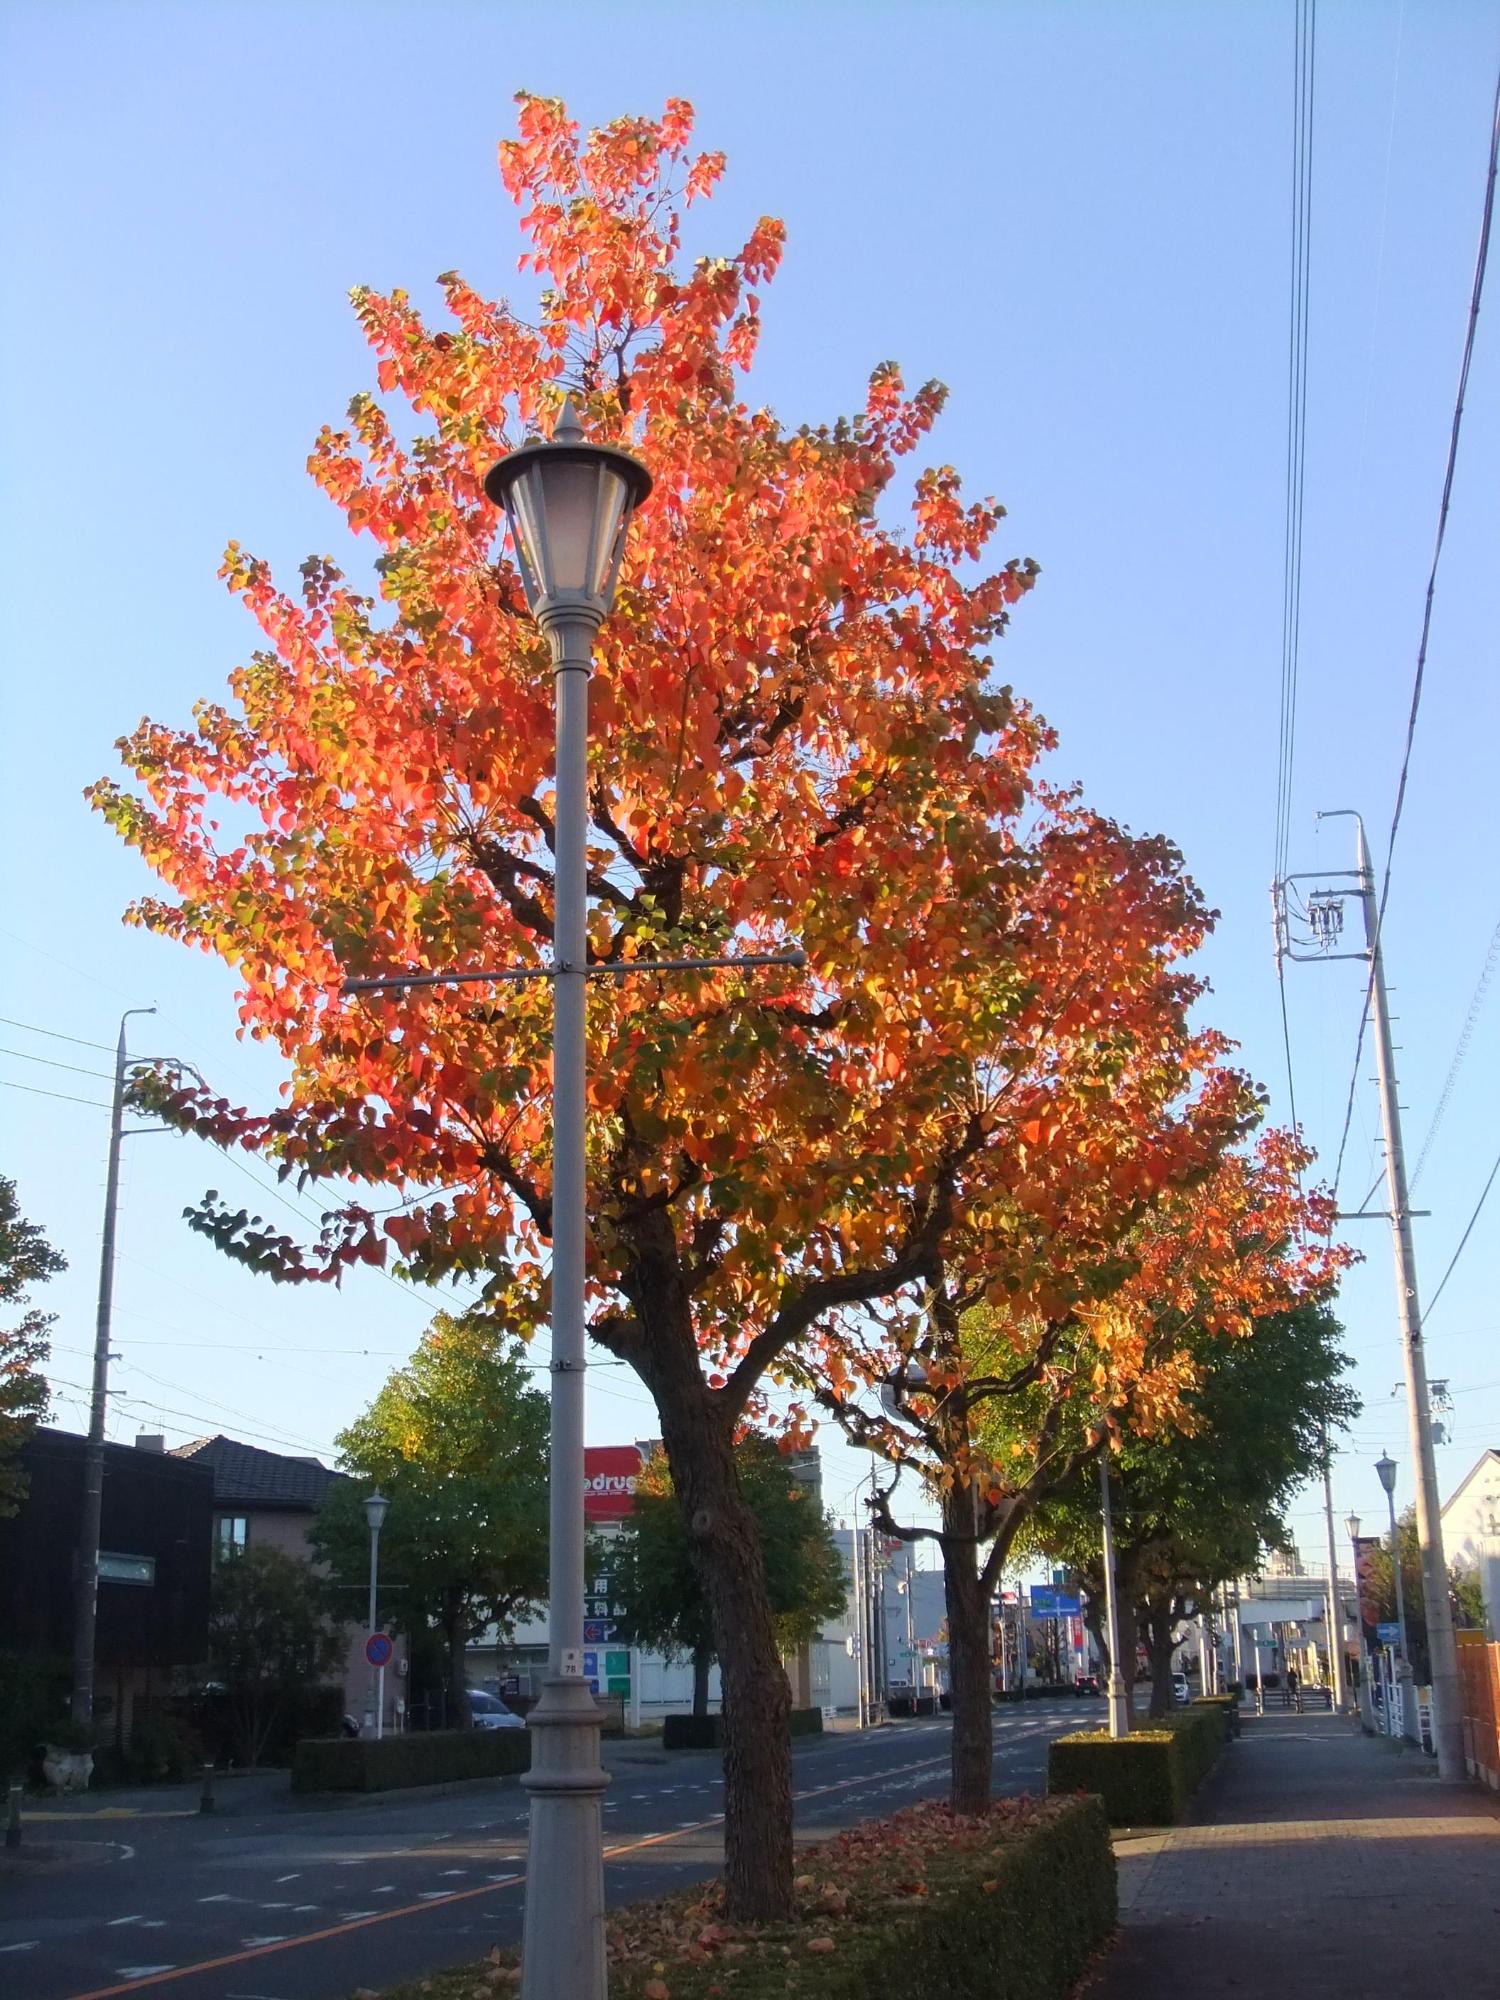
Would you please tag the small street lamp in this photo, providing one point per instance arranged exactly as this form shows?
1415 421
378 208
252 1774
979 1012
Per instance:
568 504
1385 1468
1351 1526
375 1510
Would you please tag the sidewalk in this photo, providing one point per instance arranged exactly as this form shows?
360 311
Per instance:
1320 1862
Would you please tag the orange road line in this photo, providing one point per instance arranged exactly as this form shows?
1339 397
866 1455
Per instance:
454 1896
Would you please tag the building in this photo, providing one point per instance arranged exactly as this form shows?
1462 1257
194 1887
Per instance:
646 1682
155 1538
1471 1533
267 1499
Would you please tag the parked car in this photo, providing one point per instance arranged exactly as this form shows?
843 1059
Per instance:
1180 1689
1086 1684
488 1711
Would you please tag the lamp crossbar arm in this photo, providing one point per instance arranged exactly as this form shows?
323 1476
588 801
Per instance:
398 981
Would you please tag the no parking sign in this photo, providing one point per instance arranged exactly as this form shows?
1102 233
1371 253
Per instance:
378 1649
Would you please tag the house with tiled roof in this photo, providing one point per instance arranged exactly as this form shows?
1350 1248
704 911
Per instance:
270 1499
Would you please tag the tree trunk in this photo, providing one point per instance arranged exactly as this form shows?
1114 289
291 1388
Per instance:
703 1660
1159 1624
456 1636
968 1606
698 1435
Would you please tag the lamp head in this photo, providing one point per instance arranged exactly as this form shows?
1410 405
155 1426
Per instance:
375 1508
1351 1526
568 504
1385 1467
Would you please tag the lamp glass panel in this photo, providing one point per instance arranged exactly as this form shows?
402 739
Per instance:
571 492
611 507
523 504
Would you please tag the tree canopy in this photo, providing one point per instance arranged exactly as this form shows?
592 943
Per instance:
271 1638
26 1259
457 1442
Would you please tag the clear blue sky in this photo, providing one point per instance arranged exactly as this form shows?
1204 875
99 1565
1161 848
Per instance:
1075 215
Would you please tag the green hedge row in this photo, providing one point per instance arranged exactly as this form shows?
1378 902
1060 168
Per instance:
1018 1919
706 1732
1228 1706
436 1757
1147 1777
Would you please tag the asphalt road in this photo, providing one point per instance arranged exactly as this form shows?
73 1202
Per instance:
272 1899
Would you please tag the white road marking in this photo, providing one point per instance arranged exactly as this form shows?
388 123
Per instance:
455 1871
250 1943
29 1944
284 1878
435 1895
140 1971
220 1898
115 1922
386 1889
301 1909
355 1916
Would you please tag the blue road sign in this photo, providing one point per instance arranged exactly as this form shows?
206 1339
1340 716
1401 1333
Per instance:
378 1649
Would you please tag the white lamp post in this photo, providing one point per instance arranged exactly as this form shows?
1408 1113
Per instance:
375 1507
568 504
1118 1688
1385 1467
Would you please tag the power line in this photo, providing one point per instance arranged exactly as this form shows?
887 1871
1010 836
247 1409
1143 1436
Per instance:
24 1055
1468 1231
62 1096
1465 1036
1303 66
32 1029
1476 294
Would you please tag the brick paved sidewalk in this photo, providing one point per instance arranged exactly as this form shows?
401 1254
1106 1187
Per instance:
1320 1862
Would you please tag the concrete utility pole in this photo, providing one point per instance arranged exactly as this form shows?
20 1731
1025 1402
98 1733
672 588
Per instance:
1324 916
86 1579
1447 1726
1335 1596
857 1621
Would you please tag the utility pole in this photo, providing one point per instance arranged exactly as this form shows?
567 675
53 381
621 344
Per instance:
857 1622
1325 922
86 1579
1335 1597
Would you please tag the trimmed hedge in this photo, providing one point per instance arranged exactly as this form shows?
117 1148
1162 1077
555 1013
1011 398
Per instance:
436 1757
1228 1706
706 1732
1147 1777
1009 1907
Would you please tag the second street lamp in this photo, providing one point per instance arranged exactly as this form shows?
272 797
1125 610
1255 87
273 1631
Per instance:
1385 1468
375 1510
568 504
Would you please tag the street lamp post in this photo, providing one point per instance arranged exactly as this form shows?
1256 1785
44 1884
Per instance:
1118 1694
375 1507
568 504
1385 1467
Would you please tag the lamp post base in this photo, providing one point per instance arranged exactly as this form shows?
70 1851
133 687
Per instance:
1117 1700
562 1945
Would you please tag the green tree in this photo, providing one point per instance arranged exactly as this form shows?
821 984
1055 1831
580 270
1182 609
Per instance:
656 1567
1465 1594
270 1639
457 1442
1197 1506
26 1259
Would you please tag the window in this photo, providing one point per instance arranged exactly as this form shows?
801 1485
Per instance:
115 1568
234 1532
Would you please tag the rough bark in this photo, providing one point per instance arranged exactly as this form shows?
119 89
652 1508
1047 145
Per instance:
703 1661
698 1433
967 1597
1159 1624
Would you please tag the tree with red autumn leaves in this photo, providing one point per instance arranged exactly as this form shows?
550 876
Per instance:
1110 1221
798 740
